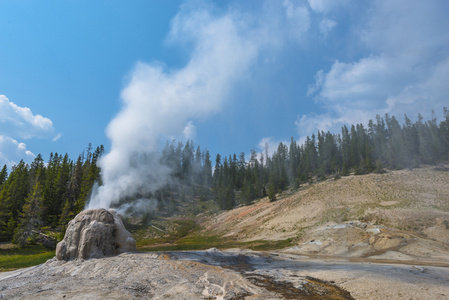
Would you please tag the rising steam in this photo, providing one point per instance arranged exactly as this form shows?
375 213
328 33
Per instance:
159 103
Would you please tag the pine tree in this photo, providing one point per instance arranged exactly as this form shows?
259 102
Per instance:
424 135
3 175
444 133
91 174
241 171
31 217
207 170
293 160
197 167
410 144
12 198
50 189
187 161
62 187
395 150
271 192
217 171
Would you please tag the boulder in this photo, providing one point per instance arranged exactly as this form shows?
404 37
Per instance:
95 233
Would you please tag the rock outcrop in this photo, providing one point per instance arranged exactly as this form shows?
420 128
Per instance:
95 233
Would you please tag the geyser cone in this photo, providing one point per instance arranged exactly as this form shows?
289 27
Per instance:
95 233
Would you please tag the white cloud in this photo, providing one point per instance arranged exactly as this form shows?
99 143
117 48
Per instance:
57 137
12 151
406 72
20 122
325 6
189 131
326 26
269 145
308 124
298 19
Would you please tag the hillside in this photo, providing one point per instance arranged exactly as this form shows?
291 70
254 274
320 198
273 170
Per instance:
400 215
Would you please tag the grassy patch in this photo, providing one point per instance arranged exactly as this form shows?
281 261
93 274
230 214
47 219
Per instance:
185 234
17 258
202 242
175 230
191 242
262 245
334 214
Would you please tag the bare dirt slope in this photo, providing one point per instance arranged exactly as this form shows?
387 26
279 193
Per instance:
399 215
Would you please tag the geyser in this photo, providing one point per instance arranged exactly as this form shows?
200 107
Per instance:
160 103
95 233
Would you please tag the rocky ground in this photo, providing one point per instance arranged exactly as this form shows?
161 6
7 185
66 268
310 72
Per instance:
376 236
400 215
232 274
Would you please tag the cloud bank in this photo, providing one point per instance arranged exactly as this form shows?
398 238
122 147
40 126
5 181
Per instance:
406 68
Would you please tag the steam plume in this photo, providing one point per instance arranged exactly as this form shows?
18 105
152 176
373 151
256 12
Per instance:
160 103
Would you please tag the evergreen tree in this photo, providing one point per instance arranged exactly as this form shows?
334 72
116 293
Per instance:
187 161
271 192
395 151
424 136
12 198
346 150
444 134
217 171
197 167
241 171
90 175
3 175
50 189
31 217
294 159
207 170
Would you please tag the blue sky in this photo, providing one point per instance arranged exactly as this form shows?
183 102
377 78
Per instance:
230 75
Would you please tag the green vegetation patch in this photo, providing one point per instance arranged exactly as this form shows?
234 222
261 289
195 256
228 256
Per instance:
174 231
207 242
186 234
188 243
17 258
263 245
191 242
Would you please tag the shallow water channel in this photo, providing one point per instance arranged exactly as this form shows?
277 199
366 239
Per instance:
268 270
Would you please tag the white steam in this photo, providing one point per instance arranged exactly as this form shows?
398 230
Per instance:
159 103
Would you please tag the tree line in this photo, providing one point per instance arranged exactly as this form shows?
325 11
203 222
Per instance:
357 149
39 195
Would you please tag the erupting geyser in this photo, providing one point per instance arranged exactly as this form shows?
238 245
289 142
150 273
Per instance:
95 233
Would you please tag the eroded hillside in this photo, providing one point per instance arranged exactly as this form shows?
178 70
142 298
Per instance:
396 215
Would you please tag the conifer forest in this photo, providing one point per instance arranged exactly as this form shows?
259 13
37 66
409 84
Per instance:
45 195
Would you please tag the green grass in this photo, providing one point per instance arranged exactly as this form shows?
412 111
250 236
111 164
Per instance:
201 242
262 245
17 258
191 242
185 234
